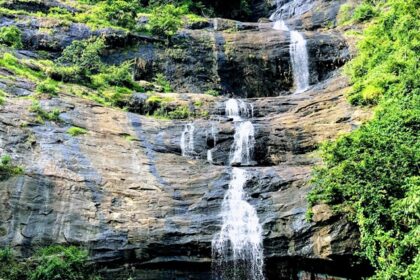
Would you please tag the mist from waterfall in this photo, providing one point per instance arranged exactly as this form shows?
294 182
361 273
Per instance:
299 57
237 249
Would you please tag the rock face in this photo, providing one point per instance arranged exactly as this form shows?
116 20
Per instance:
124 190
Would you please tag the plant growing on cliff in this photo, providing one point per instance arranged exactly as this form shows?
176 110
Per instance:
161 80
44 115
166 20
48 263
85 55
11 36
7 169
76 131
372 174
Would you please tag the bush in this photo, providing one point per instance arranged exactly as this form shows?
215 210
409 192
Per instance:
7 169
161 80
76 131
85 55
11 36
48 263
111 13
120 75
166 20
364 12
59 262
372 175
182 112
48 86
42 115
2 97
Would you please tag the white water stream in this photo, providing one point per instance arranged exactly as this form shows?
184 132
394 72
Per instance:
299 56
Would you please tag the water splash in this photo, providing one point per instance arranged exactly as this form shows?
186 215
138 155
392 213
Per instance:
238 109
187 140
237 250
243 145
280 25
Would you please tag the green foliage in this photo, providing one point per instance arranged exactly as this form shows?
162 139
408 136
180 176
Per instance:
372 174
161 80
47 86
120 75
212 92
85 55
166 20
43 115
76 131
364 12
111 13
49 263
2 97
180 113
7 169
388 55
11 36
18 67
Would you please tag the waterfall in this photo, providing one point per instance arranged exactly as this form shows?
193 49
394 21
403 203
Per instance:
237 249
187 140
300 65
236 109
239 242
243 145
299 56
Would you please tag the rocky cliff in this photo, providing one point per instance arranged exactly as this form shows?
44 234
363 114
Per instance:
124 190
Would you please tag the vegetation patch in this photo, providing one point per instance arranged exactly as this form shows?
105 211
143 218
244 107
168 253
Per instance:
11 36
372 175
48 263
43 115
76 131
7 169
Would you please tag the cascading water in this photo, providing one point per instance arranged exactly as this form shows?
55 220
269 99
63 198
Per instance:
300 65
237 249
243 145
238 109
187 140
299 56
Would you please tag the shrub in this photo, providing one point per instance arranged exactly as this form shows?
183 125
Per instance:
47 86
111 13
166 20
7 169
372 174
76 131
85 55
11 36
120 75
182 112
42 115
364 12
59 262
161 80
212 92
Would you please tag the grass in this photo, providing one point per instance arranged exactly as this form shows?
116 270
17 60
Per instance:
43 115
76 131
